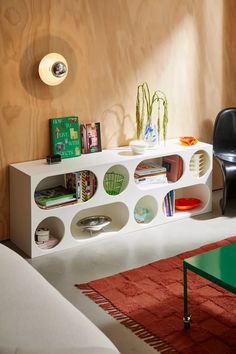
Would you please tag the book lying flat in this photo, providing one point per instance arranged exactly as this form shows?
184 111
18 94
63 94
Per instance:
149 168
53 196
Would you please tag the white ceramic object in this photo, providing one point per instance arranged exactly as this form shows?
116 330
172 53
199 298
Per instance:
138 146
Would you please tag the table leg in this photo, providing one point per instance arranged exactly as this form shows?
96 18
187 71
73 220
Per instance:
187 317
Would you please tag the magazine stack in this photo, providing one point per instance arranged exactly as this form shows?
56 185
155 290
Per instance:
150 172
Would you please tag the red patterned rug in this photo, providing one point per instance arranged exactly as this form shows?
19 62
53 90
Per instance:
149 301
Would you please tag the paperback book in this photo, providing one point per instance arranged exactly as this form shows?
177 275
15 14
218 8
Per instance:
90 138
65 136
73 183
169 200
149 169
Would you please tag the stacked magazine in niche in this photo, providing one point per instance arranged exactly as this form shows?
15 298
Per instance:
150 173
78 187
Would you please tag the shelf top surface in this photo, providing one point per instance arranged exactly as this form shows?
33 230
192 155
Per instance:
109 156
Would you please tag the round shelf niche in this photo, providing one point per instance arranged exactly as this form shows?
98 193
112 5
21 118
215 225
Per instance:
82 185
117 213
56 229
199 163
145 210
116 180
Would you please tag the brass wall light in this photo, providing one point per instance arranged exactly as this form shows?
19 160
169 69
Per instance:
53 69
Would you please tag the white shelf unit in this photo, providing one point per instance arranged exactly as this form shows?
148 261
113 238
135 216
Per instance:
26 216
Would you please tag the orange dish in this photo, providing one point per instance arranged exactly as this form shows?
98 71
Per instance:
188 140
187 203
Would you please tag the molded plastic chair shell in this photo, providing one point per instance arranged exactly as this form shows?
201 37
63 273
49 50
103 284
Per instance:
224 148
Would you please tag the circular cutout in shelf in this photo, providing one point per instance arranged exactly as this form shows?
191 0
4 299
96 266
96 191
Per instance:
145 209
52 227
116 180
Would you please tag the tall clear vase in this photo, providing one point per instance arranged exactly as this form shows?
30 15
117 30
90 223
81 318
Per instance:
150 135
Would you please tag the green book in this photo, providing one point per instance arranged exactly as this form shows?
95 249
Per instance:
65 136
54 196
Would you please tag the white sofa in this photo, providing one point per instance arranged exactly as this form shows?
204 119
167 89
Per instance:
37 319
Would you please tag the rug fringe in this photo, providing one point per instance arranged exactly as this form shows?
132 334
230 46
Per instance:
138 329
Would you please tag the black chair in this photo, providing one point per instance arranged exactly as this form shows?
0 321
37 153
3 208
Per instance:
224 148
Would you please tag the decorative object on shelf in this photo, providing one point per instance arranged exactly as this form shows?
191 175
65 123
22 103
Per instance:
46 245
94 223
42 234
188 140
113 182
174 167
138 146
183 204
65 136
197 164
53 69
51 159
150 123
90 137
142 215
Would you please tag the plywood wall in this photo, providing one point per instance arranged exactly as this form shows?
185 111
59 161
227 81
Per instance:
183 47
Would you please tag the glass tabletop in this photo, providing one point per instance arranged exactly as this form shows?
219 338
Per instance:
218 266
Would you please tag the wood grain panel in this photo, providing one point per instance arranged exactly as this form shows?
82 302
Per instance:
183 47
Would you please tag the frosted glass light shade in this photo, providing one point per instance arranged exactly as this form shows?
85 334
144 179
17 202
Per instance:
53 69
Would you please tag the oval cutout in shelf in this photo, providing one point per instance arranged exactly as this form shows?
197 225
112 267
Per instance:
65 189
118 212
166 169
199 194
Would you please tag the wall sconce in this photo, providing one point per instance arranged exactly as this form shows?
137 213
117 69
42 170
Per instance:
53 69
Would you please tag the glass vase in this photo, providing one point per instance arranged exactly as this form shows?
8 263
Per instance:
150 133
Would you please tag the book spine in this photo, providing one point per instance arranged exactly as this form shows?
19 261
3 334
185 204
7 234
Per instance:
83 186
98 127
78 186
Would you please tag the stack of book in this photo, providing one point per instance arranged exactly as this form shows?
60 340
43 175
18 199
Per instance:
150 172
169 203
54 196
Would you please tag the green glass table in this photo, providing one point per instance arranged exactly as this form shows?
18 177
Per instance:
218 266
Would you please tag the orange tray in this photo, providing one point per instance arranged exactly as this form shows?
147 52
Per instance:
187 203
188 140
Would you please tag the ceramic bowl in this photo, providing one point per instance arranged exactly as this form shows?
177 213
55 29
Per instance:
94 223
138 146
